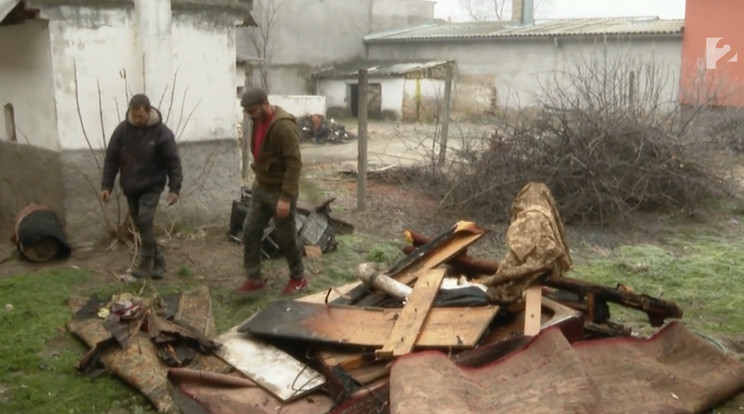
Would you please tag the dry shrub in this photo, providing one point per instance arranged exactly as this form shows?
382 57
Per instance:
604 138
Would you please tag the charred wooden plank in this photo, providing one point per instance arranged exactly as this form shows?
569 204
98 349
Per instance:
593 295
428 256
458 328
463 261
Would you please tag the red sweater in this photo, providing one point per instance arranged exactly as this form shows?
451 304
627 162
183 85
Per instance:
260 135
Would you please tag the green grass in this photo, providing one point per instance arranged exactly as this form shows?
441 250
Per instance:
702 274
37 373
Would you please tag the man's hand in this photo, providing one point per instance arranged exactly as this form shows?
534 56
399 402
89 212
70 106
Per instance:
105 195
172 198
282 209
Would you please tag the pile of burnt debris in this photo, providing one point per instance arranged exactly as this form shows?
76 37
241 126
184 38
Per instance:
443 331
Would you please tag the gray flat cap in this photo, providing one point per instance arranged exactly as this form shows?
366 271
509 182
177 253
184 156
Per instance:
253 96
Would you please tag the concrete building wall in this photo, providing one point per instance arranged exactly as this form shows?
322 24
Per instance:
204 59
510 71
397 14
28 173
336 93
422 99
311 34
407 99
300 105
93 51
26 84
96 64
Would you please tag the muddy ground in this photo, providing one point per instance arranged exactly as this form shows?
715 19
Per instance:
210 255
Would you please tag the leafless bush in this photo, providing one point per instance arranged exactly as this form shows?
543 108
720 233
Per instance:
603 137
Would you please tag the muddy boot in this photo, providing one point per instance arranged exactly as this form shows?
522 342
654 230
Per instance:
158 267
143 269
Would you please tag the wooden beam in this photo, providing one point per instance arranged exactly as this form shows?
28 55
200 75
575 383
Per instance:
445 116
408 326
362 141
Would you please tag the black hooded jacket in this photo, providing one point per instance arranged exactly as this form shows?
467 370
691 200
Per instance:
144 156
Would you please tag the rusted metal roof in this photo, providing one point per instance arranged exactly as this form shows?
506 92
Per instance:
548 28
380 69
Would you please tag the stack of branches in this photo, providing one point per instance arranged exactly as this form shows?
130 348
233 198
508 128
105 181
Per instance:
603 139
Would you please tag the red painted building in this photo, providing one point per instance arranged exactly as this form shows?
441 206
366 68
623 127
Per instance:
713 53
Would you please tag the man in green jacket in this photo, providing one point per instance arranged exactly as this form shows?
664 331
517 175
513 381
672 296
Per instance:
276 166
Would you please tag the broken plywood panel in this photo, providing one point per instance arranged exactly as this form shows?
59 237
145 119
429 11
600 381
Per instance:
408 326
445 327
274 370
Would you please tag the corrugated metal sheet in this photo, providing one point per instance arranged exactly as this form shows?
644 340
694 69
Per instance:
378 69
552 28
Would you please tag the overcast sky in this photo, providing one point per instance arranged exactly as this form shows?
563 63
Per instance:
665 9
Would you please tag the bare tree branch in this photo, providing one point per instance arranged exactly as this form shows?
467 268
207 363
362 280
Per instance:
267 14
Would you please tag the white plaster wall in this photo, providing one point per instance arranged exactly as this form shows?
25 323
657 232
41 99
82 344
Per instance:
204 57
516 66
392 93
100 45
300 105
95 49
335 91
26 82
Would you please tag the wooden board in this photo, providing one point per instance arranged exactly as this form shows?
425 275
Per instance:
532 310
464 234
439 250
272 369
408 326
351 325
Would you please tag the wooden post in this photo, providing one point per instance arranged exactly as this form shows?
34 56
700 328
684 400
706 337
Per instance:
10 128
445 116
362 132
245 140
631 88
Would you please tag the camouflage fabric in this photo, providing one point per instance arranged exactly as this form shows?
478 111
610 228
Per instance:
139 364
537 246
260 213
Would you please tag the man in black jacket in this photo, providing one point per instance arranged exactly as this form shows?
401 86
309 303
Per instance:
143 151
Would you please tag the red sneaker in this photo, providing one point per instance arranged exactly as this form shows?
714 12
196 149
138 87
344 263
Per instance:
294 286
250 286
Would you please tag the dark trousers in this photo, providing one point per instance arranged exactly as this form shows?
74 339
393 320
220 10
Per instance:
142 209
261 210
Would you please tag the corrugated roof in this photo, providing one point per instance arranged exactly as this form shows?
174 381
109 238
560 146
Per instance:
552 28
378 69
229 5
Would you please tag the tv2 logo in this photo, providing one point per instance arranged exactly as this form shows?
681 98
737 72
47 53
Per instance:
714 53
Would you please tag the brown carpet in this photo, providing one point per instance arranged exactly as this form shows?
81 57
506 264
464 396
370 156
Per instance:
230 393
674 371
